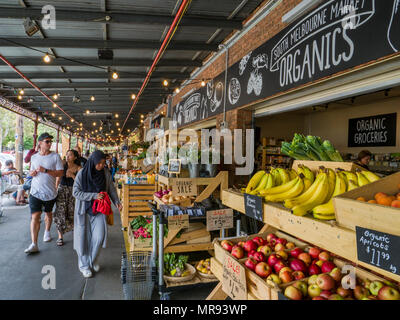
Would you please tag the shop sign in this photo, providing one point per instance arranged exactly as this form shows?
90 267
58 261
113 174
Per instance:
184 187
234 279
178 222
374 131
378 249
174 166
334 37
253 206
219 219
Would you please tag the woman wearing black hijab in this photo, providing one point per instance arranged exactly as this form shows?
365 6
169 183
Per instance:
90 229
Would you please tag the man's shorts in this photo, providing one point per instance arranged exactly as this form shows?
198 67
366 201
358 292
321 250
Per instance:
37 205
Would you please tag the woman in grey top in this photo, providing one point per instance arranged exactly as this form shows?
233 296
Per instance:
90 228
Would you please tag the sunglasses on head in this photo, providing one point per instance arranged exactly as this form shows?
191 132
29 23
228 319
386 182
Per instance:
47 141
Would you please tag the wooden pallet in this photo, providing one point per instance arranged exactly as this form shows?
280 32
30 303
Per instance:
134 199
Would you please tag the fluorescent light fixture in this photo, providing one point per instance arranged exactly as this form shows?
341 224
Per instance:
299 10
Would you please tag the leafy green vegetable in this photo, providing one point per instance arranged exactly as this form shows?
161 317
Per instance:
172 262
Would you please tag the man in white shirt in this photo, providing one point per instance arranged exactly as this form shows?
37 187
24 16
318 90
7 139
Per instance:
46 166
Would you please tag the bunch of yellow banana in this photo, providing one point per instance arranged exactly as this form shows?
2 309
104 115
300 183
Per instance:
285 191
254 181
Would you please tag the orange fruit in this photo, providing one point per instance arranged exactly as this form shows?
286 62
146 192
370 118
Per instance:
396 203
385 201
392 197
361 199
379 195
398 196
372 201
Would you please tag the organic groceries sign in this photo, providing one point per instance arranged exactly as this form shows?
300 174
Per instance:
219 219
334 37
234 279
378 249
375 131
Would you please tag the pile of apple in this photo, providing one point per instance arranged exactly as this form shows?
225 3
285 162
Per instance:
328 287
278 260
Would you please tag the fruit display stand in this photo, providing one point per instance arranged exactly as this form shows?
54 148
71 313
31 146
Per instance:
327 235
315 165
134 199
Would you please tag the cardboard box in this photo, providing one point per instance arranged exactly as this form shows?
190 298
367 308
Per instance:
351 213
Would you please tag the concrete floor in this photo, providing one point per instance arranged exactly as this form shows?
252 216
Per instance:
21 274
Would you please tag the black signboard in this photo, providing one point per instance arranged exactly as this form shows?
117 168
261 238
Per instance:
378 249
334 37
253 206
374 131
281 296
174 166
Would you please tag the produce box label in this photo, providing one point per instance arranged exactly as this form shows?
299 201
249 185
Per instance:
219 219
178 222
184 187
234 279
142 243
253 206
378 249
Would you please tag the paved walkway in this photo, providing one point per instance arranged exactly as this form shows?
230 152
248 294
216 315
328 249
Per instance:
21 275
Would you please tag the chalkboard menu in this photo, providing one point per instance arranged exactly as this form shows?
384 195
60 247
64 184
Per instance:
374 131
334 37
174 166
378 249
253 206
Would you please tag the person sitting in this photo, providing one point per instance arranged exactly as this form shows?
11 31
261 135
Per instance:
10 178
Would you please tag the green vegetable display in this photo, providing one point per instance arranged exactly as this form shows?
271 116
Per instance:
310 148
174 265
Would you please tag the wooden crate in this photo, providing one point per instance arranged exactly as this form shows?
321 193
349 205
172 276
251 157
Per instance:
134 199
351 213
314 165
327 235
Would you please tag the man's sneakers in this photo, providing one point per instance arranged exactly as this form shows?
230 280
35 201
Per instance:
86 273
96 267
46 237
32 248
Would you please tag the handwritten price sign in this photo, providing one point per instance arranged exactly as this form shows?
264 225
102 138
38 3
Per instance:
234 279
378 249
219 219
178 222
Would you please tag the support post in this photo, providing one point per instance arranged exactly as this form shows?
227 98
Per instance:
19 144
35 129
58 138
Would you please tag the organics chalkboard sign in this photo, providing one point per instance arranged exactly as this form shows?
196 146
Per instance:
374 131
174 166
378 249
253 206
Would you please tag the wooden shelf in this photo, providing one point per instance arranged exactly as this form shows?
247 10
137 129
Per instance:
327 235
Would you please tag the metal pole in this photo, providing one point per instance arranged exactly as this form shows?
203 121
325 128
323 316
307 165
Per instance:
238 227
58 139
161 253
35 129
19 144
154 253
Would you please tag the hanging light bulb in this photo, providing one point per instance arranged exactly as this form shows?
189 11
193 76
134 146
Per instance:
72 120
115 75
19 97
141 121
165 83
177 90
92 98
203 83
117 115
94 124
54 105
87 111
133 96
81 124
117 124
142 116
55 96
119 129
112 131
21 91
53 114
59 118
46 58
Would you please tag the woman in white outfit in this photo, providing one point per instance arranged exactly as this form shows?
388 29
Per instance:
90 228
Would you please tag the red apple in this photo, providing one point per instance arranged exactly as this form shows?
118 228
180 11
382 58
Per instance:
318 298
336 274
302 286
259 257
314 291
324 256
285 269
298 275
344 292
274 278
281 241
314 269
295 252
227 245
325 294
305 257
241 244
263 269
266 250
325 282
293 293
290 245
251 253
279 265
286 276
259 241
314 252
237 252
327 267
282 254
335 296
251 264
279 247
388 293
271 238
272 260
298 265
250 245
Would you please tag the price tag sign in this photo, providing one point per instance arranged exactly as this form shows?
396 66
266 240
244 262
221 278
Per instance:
178 222
378 249
219 219
234 279
253 206
184 187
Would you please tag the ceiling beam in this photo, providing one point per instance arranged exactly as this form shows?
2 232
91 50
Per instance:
55 85
94 75
107 44
38 61
82 92
119 17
